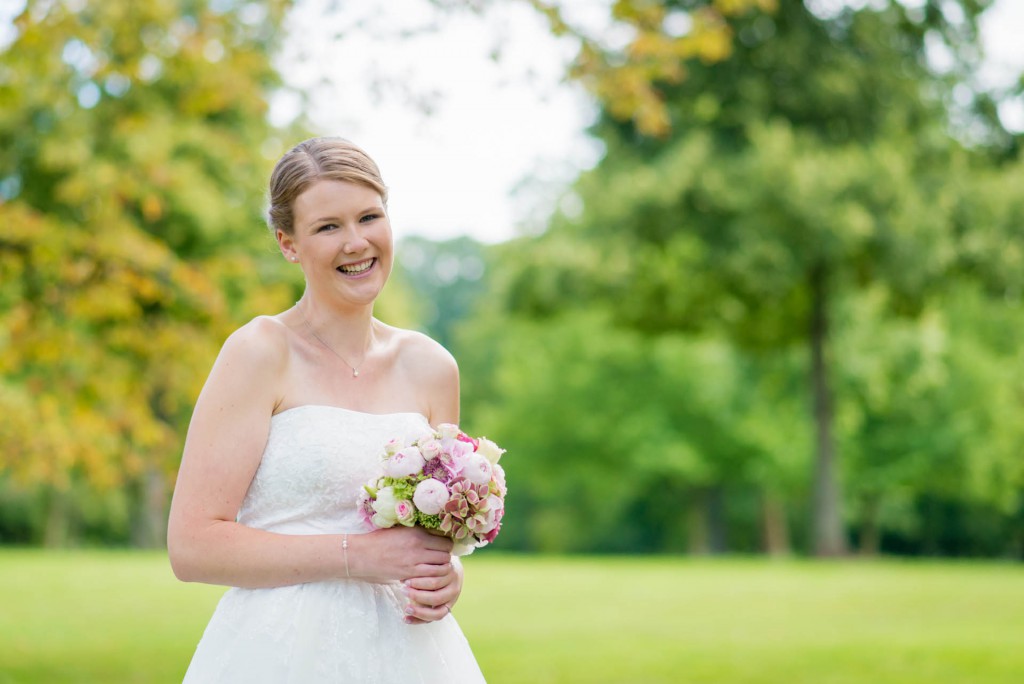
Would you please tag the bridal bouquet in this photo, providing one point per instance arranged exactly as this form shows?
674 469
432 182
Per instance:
444 481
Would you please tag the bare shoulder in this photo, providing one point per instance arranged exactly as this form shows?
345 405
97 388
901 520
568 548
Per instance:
253 360
262 340
424 355
431 372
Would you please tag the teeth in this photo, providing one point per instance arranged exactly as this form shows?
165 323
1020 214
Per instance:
356 268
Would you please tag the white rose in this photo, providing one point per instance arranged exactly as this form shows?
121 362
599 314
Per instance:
381 522
384 508
448 431
489 450
392 447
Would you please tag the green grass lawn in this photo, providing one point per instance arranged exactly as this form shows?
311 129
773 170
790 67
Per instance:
110 617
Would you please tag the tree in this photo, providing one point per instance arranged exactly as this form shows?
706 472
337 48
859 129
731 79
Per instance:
132 239
787 184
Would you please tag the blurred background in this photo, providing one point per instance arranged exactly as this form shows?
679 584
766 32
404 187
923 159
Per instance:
737 283
723 276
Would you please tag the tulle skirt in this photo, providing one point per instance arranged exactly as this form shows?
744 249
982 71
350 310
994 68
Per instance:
340 631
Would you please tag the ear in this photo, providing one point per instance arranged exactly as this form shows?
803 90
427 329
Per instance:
287 245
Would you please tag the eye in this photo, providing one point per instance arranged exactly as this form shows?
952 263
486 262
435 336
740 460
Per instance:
369 217
326 227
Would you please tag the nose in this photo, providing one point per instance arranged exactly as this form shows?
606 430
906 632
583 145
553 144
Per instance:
355 242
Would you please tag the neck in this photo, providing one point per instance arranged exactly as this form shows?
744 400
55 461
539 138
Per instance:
348 332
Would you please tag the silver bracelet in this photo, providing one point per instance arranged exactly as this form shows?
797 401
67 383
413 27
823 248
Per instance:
344 547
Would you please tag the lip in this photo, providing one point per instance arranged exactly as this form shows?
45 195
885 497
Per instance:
372 261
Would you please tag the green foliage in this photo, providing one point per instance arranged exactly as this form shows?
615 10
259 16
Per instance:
807 217
612 436
132 241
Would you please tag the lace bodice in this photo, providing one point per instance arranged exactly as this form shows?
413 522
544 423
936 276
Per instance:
316 460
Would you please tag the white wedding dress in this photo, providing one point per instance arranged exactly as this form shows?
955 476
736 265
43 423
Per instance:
316 460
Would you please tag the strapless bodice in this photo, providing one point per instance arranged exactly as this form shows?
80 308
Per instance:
316 460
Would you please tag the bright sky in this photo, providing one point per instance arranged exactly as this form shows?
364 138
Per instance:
469 144
466 144
501 137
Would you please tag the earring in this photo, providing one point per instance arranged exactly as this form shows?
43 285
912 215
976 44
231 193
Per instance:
295 258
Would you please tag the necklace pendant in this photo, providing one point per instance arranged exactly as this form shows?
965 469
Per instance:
355 373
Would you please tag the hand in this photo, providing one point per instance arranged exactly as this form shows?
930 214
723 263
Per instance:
432 598
397 553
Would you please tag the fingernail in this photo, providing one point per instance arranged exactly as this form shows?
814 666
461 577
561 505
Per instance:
408 610
405 589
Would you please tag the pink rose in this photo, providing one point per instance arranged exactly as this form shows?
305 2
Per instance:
430 449
405 513
406 462
430 496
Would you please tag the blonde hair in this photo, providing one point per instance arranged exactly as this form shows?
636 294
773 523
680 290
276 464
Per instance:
312 160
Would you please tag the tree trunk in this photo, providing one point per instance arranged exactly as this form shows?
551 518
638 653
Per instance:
774 529
149 515
57 532
717 533
698 543
829 538
870 534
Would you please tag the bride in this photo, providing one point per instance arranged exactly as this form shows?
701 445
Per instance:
290 424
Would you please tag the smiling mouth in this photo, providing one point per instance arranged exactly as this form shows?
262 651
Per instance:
356 269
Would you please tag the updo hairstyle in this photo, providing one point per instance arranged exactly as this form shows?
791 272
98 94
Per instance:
313 160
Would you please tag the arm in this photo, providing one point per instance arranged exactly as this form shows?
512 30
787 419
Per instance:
432 597
225 440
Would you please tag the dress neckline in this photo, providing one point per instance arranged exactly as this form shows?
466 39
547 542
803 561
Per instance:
351 411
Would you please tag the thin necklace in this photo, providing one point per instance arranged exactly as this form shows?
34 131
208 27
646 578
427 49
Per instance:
355 371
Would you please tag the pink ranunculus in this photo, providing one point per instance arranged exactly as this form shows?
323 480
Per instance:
405 513
406 462
430 496
477 469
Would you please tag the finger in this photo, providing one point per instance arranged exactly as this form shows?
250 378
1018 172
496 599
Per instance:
433 557
433 599
430 583
437 542
431 570
416 611
442 591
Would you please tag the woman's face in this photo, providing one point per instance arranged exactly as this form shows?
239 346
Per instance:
342 238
